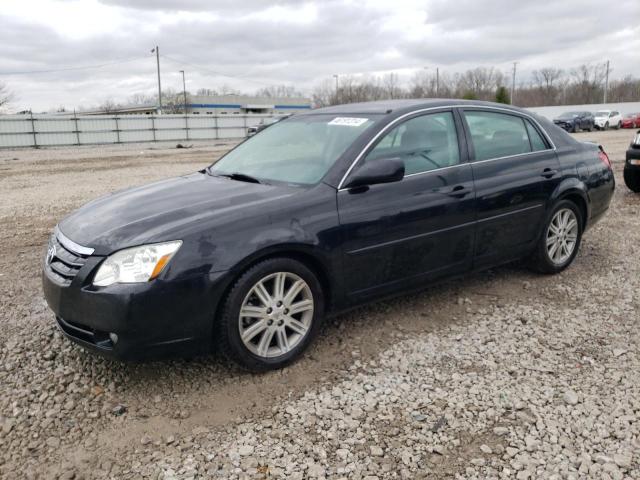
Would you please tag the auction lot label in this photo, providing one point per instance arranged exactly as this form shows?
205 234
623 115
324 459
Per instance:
348 121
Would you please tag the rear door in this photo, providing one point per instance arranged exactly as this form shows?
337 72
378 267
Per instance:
515 171
419 228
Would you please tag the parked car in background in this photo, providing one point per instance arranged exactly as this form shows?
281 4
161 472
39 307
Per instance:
632 165
605 119
574 121
327 210
631 120
251 131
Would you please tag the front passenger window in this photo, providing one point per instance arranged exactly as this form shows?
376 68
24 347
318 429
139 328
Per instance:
424 143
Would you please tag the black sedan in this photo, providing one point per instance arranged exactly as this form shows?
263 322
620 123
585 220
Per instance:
574 121
320 212
632 165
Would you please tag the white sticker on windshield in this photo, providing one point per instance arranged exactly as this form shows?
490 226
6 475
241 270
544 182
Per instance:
348 121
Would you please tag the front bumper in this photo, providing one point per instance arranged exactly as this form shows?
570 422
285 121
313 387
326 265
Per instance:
632 161
567 126
151 320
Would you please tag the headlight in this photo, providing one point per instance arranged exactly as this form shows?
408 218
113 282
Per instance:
135 265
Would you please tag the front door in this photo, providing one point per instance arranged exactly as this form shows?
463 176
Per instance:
515 171
419 228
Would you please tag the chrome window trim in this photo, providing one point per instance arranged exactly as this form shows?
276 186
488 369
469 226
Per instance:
444 107
70 244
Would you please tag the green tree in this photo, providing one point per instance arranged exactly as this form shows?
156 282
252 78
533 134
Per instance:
469 95
502 95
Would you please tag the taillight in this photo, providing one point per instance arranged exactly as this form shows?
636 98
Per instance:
604 158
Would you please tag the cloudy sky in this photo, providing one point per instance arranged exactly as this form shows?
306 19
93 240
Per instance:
45 45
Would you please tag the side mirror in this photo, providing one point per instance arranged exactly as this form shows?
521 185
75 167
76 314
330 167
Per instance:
382 170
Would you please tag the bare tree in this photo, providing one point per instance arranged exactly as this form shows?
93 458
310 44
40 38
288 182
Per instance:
5 96
391 85
481 82
108 106
587 83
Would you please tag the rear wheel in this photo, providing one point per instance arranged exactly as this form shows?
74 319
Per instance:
560 240
271 315
632 179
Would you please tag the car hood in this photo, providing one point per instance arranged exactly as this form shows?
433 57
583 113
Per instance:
165 210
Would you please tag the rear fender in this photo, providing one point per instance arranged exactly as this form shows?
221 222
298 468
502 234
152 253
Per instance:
575 189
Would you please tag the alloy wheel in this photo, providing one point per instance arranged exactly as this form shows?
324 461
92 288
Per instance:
562 236
276 314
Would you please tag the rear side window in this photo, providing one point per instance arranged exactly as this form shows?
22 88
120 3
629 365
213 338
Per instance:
496 135
537 143
424 143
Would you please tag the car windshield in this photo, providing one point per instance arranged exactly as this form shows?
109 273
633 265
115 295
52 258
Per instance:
602 113
299 150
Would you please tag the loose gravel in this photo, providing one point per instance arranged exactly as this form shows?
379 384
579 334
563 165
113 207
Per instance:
504 374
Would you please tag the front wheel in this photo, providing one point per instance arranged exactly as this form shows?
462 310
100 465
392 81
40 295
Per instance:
606 126
271 315
619 126
560 240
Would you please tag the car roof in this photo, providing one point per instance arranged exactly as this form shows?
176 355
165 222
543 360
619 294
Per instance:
386 107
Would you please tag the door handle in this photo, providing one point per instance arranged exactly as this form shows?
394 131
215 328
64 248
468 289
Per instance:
549 173
459 191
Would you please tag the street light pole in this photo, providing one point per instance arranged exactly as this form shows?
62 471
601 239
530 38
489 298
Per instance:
184 92
157 51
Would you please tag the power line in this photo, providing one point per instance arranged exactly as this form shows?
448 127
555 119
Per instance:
67 69
214 72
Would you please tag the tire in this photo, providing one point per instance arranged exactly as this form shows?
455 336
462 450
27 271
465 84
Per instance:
574 129
619 126
541 260
264 347
632 180
606 126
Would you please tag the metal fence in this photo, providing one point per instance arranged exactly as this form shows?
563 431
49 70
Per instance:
57 130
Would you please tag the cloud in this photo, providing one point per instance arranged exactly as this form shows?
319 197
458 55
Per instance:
251 44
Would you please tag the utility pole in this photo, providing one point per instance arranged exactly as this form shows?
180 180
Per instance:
336 77
606 84
513 82
184 92
157 51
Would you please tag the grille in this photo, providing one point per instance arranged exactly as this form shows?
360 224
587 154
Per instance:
62 263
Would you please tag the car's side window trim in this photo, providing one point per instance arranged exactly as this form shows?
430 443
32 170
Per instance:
458 107
523 116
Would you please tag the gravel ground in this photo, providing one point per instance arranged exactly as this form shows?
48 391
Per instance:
504 374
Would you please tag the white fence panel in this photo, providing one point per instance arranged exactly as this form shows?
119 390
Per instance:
91 138
95 124
17 124
56 138
53 130
135 123
132 136
46 125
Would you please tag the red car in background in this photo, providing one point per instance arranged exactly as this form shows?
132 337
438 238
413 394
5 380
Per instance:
631 120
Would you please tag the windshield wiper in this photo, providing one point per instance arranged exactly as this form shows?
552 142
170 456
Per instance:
242 177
